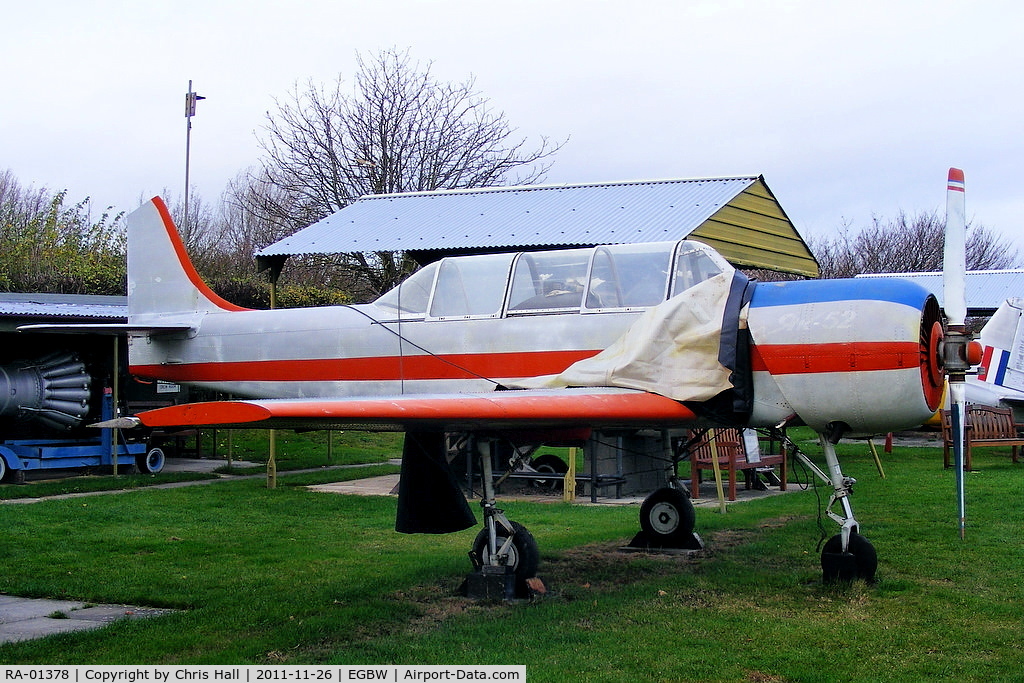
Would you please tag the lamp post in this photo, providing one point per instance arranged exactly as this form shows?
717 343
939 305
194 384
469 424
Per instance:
190 110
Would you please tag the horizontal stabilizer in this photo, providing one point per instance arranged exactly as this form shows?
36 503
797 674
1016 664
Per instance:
107 329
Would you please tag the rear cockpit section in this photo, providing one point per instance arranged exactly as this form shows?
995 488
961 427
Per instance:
549 281
621 277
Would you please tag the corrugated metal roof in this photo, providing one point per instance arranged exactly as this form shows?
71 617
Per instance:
543 215
64 307
985 290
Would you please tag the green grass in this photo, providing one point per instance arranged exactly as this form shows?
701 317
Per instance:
302 450
295 450
291 576
41 488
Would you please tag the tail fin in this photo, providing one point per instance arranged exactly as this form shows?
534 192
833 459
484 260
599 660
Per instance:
1001 339
161 278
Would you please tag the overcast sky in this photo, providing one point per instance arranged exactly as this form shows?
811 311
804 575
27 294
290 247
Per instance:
848 109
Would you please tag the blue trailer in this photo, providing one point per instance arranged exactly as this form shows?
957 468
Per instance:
19 456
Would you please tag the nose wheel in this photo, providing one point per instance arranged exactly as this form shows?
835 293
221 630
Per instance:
858 561
847 555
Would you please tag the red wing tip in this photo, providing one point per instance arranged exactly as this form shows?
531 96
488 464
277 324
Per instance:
210 413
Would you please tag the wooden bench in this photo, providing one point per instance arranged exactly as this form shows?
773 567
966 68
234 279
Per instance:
985 426
732 458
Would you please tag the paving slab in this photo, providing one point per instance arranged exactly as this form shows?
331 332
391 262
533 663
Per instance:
204 464
383 485
29 618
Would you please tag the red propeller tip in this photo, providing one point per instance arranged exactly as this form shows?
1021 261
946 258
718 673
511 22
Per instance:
956 180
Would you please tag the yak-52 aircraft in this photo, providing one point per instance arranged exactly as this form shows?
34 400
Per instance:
544 346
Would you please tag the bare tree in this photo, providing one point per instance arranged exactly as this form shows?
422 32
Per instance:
199 230
250 220
906 244
399 130
251 203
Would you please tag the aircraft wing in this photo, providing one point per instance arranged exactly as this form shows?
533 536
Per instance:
500 410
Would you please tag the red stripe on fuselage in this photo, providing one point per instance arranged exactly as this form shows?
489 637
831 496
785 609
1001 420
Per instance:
779 359
370 369
795 359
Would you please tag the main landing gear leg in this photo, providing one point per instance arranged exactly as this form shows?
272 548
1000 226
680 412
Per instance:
504 555
847 555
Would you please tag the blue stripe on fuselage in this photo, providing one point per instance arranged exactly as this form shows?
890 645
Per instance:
893 290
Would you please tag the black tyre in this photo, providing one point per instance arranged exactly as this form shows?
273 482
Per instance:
152 462
524 556
548 464
859 562
667 517
3 468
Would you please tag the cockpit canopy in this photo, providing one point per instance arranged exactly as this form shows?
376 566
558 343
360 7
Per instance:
619 277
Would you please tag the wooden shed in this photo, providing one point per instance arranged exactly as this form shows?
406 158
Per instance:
739 217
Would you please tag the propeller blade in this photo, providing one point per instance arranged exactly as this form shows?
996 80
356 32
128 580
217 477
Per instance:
954 270
954 255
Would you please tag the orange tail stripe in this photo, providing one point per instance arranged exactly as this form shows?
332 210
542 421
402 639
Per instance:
186 262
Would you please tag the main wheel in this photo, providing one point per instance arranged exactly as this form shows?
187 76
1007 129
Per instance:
548 464
667 517
523 554
152 462
860 561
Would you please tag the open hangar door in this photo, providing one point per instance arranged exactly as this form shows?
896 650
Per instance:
53 386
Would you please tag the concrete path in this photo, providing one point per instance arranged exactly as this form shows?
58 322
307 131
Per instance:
373 486
28 618
388 485
203 464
